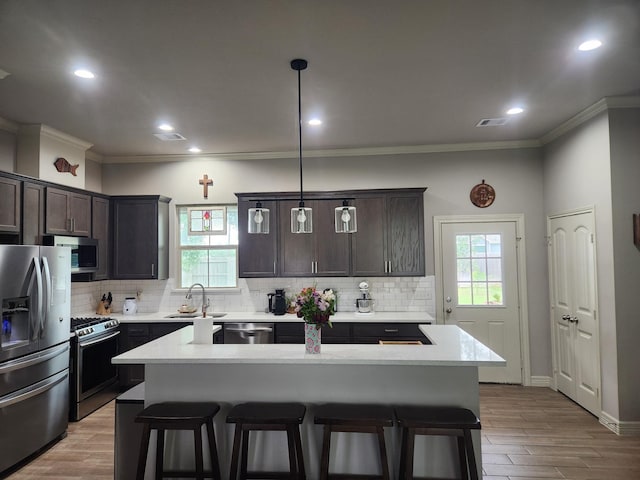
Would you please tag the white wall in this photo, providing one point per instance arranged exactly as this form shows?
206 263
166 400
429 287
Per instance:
577 174
625 174
7 151
515 174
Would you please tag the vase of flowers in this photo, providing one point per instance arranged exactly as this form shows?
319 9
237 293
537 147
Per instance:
315 308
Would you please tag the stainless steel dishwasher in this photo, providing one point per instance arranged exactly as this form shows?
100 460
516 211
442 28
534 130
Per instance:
248 332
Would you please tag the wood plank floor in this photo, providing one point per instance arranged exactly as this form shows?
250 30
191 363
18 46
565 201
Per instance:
527 433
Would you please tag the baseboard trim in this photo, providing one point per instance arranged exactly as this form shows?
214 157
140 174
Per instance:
631 429
541 381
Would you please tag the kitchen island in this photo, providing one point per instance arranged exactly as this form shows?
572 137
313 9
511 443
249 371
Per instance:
444 373
262 317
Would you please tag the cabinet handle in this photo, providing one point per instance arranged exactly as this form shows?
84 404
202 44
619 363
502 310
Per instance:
390 270
315 267
391 330
274 267
153 268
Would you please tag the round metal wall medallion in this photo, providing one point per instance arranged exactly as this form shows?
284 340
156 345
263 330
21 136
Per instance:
482 195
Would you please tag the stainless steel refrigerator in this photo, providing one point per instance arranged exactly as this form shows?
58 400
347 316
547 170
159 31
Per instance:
35 295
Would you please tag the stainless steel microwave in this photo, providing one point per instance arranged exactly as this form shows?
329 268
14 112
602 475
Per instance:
84 251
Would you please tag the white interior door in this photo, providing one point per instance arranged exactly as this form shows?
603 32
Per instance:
573 308
480 290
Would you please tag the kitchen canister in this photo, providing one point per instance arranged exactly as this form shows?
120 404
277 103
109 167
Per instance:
203 330
130 306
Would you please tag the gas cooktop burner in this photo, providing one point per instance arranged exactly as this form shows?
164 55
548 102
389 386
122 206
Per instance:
83 326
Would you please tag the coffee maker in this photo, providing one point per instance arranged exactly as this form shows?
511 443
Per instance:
277 302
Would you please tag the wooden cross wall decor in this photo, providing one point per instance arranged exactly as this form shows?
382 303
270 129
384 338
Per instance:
205 181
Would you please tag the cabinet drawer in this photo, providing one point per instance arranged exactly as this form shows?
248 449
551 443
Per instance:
297 329
386 330
136 329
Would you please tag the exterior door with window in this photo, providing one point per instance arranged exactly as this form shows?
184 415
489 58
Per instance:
480 290
573 308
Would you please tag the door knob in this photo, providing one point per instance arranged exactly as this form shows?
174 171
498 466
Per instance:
573 320
448 310
566 317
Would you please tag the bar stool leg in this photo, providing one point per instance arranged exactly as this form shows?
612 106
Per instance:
462 458
244 455
293 463
213 452
233 471
408 465
197 439
298 441
470 454
159 454
324 458
384 464
144 447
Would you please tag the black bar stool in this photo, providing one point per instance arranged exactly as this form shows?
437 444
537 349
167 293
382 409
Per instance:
267 417
179 416
449 421
341 417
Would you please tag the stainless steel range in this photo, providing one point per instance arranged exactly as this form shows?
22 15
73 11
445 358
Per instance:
94 380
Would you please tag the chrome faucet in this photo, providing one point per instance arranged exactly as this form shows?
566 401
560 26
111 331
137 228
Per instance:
205 300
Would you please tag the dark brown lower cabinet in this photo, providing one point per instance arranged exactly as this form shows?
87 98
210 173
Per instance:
133 335
352 332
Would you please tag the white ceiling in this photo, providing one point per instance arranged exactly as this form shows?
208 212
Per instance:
381 73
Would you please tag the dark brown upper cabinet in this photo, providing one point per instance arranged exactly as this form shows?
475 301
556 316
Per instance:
390 236
9 205
258 255
320 253
100 231
389 240
140 237
67 213
33 213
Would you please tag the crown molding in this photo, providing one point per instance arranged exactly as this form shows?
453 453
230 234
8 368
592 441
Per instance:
8 125
63 137
93 156
329 153
589 113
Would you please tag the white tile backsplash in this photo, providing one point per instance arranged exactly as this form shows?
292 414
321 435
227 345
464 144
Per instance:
398 294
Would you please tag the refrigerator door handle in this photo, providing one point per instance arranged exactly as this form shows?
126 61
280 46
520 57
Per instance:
33 359
34 318
34 390
48 292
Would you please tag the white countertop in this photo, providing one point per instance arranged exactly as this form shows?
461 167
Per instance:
451 346
376 317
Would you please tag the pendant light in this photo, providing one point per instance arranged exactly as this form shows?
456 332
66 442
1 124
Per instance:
345 218
258 219
301 216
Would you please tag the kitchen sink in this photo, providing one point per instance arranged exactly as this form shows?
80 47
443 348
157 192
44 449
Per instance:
195 315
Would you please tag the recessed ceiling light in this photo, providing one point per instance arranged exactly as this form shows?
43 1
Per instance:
165 127
515 110
195 150
590 45
315 122
83 73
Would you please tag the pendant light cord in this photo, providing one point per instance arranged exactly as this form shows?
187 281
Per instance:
300 136
299 64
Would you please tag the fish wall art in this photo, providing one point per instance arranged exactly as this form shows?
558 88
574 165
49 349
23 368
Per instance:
62 165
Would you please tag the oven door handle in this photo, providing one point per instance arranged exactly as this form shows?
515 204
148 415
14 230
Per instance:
98 340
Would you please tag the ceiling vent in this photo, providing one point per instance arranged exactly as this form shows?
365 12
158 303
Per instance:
492 122
169 137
